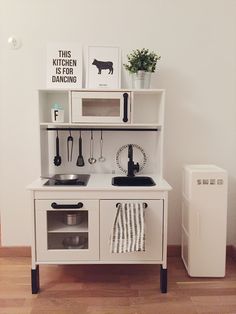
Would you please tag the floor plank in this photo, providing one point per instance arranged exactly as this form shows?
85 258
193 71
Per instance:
113 289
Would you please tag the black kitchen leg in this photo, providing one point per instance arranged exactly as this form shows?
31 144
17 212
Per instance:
163 279
35 280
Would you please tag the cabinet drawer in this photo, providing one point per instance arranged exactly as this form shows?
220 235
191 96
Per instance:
153 231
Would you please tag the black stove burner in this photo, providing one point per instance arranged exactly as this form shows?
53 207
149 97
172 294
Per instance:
82 181
77 182
53 183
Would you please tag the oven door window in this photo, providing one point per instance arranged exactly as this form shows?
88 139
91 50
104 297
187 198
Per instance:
100 107
67 230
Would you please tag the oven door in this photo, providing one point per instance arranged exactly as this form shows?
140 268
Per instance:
59 238
100 107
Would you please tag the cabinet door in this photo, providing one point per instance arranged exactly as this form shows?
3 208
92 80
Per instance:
100 107
68 230
153 231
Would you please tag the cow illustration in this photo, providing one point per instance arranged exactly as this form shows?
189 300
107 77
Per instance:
103 65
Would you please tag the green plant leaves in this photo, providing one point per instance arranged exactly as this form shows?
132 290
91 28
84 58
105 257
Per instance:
142 60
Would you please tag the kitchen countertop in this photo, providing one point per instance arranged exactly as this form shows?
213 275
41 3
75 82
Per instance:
98 181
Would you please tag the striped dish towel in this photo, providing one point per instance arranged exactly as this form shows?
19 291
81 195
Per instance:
128 233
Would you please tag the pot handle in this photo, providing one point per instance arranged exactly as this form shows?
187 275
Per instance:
54 205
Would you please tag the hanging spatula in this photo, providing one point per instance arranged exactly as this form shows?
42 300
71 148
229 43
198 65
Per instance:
80 159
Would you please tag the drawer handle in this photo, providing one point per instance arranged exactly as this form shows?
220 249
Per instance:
66 206
145 205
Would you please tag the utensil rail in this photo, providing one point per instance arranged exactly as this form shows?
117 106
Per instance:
103 129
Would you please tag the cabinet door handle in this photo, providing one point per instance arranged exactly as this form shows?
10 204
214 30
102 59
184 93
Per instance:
66 206
144 204
125 116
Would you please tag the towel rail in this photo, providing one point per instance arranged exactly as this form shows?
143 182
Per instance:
145 205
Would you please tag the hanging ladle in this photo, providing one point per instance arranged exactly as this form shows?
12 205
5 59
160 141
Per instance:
101 158
91 159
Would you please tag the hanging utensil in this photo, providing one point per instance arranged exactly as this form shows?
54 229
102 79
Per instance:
91 159
101 158
80 159
70 141
57 158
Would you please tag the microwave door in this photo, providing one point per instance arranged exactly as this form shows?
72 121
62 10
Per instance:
100 107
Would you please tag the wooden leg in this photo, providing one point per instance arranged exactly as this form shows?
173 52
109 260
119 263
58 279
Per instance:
163 279
35 280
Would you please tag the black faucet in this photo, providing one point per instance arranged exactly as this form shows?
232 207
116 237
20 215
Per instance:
132 167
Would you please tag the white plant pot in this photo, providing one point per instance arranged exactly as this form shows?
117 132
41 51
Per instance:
141 79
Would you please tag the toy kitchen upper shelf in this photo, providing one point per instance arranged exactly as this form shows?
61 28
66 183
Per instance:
119 108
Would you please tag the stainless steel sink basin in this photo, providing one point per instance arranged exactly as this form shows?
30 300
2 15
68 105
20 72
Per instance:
133 181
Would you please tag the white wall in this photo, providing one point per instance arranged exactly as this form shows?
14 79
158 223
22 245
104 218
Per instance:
196 40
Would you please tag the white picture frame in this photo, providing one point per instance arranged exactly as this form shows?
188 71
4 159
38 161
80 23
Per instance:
64 65
103 67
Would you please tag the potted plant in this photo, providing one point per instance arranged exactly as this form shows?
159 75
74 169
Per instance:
141 63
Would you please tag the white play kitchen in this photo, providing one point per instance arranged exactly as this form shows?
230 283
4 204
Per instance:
101 198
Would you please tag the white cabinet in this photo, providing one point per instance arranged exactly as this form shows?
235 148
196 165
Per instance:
56 240
100 107
139 114
204 219
95 228
52 232
153 231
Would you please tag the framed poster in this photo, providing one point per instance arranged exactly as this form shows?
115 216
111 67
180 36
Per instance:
64 65
103 67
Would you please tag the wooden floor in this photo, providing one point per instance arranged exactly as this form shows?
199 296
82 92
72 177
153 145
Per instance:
113 289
